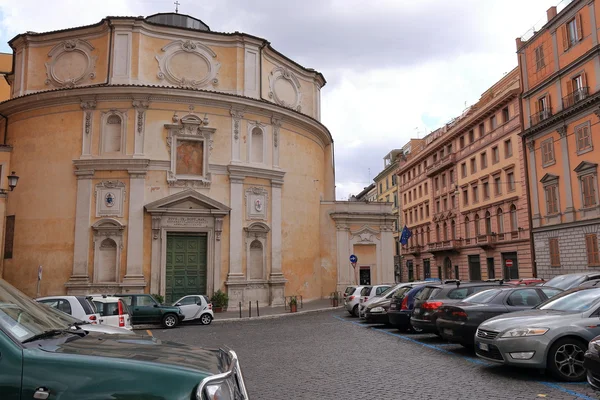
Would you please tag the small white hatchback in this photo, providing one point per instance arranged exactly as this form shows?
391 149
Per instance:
196 307
113 311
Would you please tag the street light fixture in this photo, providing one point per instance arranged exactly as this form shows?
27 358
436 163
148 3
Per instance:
12 181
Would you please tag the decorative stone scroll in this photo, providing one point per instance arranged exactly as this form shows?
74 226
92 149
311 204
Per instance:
71 64
187 63
284 88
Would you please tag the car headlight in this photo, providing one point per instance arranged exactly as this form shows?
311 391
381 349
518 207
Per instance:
219 391
377 309
594 346
523 332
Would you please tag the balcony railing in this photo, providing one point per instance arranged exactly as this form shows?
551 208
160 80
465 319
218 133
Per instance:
441 164
445 245
573 98
540 116
415 250
486 241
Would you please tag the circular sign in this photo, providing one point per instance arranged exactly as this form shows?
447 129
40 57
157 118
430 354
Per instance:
509 263
353 258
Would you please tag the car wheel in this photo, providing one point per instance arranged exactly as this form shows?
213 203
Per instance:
205 319
355 311
565 360
170 321
414 329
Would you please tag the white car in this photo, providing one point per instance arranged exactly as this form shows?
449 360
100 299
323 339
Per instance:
196 307
74 322
352 299
77 306
113 311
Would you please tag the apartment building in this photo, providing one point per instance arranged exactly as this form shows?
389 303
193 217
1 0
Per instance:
463 196
560 70
386 183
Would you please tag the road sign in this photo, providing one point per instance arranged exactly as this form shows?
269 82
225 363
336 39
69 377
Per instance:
508 262
353 259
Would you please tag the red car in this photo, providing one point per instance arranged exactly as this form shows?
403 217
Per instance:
526 282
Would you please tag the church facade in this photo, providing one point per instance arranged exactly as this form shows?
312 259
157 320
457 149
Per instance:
158 156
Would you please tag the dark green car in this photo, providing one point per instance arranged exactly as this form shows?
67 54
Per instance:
146 310
42 357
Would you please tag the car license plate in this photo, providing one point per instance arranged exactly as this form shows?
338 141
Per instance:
483 346
416 310
448 332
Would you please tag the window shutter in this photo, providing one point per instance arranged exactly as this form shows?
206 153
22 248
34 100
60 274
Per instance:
583 80
565 37
589 250
536 107
579 24
548 200
548 103
587 139
569 88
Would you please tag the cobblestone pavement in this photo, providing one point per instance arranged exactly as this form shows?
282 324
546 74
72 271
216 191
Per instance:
329 355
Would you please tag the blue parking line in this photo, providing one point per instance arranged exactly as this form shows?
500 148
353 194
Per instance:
568 391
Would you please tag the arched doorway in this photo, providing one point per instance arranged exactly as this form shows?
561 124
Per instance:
447 268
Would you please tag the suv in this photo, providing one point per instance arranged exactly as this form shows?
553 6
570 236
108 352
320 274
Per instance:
113 311
43 357
145 309
432 297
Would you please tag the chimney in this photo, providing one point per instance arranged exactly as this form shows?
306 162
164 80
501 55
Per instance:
551 13
519 43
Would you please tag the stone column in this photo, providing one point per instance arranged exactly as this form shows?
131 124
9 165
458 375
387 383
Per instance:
134 277
217 263
80 277
155 277
535 205
569 212
236 281
385 270
276 279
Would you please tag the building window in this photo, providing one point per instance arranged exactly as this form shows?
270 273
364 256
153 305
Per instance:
483 160
453 229
461 142
588 189
463 170
471 136
548 152
591 246
505 115
409 196
488 223
511 181
445 202
380 188
473 165
9 236
554 252
498 186
428 235
500 220
475 194
410 216
445 231
451 176
443 180
426 188
420 191
551 199
426 210
493 123
387 182
405 199
434 158
387 198
513 218
449 149
539 58
495 155
436 184
393 180
584 138
395 200
437 206
438 236
465 197
421 212
453 201
486 190
508 148
572 32
467 228
477 232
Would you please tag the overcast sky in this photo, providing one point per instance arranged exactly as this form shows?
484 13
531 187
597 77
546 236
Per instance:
396 69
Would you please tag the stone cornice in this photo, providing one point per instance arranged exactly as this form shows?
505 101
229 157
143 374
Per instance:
103 92
136 165
237 171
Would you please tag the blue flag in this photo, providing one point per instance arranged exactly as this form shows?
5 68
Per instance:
406 234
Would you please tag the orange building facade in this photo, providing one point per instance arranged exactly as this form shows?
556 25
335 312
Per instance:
462 195
560 68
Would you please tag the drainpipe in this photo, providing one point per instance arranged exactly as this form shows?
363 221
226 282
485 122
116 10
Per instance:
5 128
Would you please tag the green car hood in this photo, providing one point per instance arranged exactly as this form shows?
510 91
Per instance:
142 349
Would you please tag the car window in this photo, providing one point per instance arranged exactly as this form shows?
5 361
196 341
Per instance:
551 292
88 307
111 308
458 294
60 304
427 293
401 292
144 301
365 291
207 299
524 298
578 301
99 308
381 290
124 306
565 282
350 290
127 300
483 297
188 301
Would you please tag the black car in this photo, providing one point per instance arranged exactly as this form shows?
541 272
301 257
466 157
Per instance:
401 307
592 363
458 323
429 301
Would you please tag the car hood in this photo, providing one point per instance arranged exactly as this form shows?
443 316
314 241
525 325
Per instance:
103 328
140 348
529 318
380 301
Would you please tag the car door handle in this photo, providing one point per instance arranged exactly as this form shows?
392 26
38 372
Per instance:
41 393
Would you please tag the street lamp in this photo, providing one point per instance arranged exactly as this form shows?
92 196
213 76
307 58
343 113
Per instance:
12 181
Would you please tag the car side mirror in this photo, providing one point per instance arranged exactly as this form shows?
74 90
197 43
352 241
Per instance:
177 304
156 305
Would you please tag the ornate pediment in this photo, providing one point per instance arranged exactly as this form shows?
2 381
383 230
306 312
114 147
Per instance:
365 234
586 166
549 178
188 201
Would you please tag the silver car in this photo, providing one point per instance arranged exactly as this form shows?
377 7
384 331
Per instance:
352 300
554 335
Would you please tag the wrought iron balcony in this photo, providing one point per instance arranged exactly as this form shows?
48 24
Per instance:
573 98
440 165
540 116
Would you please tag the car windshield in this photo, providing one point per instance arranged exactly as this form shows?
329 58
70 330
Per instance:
578 301
401 292
389 290
365 291
68 319
565 282
349 290
483 297
22 317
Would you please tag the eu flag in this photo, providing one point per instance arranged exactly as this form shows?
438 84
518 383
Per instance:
406 234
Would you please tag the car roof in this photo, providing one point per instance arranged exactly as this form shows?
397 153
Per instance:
105 299
447 284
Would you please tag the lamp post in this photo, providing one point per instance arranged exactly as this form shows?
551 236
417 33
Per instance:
12 181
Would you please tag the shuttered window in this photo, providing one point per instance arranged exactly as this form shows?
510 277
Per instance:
547 151
554 252
589 190
591 245
9 236
584 139
551 199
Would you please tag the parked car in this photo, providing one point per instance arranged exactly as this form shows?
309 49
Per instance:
526 282
146 310
363 306
86 326
43 356
113 311
352 300
592 363
553 336
79 307
569 281
401 308
375 309
429 301
349 290
196 307
458 323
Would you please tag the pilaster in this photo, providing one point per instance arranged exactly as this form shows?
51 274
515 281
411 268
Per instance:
140 107
536 217
569 212
236 127
88 107
276 279
134 277
236 244
276 125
